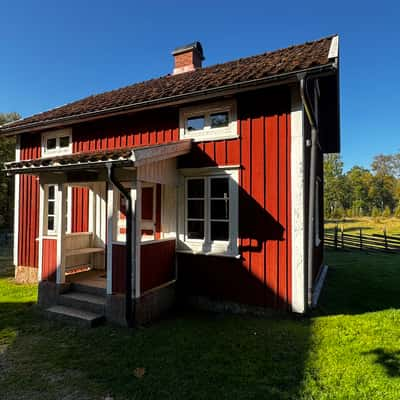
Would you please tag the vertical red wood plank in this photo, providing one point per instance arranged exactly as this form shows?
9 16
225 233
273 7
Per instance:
245 185
175 134
158 212
233 152
272 202
160 136
153 137
220 152
282 190
257 193
289 211
209 150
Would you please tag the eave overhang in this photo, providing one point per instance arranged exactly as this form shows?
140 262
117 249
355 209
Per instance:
125 157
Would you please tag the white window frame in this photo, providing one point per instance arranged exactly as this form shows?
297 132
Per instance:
53 231
209 134
56 135
206 246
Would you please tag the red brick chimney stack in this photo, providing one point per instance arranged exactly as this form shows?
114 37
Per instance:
188 58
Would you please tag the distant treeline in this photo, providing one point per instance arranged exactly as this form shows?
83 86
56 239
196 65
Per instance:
360 191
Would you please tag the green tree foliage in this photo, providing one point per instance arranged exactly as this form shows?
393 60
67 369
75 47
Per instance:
361 191
7 153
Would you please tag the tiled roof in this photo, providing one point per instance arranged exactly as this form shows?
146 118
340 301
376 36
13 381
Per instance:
288 60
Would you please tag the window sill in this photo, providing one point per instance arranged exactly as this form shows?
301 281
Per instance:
213 254
210 136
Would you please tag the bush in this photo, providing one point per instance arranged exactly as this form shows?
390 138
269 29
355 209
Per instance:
387 212
397 212
375 213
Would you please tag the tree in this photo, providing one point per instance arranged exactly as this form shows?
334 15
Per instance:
358 183
335 185
387 165
7 153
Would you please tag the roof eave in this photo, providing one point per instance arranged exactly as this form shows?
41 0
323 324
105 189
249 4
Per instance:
287 77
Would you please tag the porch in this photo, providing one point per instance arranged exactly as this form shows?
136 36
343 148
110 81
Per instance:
127 247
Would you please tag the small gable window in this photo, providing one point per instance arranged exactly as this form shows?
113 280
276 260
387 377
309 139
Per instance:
56 142
215 121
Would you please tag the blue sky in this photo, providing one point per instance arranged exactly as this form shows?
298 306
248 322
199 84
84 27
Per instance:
56 52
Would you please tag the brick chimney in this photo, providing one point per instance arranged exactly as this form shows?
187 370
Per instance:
188 58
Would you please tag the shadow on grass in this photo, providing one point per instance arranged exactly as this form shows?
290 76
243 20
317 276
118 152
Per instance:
390 360
359 282
188 355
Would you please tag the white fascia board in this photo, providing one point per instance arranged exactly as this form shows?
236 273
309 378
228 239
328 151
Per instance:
297 204
334 48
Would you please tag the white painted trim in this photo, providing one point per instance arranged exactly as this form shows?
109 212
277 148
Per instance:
16 202
110 229
297 205
56 135
334 48
208 133
41 229
136 194
69 211
91 211
60 228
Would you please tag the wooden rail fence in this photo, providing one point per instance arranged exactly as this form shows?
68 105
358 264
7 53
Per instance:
340 240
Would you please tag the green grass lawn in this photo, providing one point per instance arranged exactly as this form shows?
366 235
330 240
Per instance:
349 348
368 225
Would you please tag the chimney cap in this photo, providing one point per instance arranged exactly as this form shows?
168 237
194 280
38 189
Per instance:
191 46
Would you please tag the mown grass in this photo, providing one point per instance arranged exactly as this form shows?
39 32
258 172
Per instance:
368 225
346 349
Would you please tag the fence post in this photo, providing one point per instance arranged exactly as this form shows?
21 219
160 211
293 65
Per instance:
342 234
360 239
335 236
385 236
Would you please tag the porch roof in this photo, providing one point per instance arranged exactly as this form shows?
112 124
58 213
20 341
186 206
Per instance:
126 157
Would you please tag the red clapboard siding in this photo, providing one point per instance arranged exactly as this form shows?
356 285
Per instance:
263 275
28 248
49 262
80 209
157 264
118 270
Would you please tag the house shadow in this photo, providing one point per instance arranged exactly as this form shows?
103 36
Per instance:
389 360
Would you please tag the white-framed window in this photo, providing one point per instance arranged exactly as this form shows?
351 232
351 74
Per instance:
56 142
51 210
213 121
210 220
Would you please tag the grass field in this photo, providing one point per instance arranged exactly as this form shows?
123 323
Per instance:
349 348
369 225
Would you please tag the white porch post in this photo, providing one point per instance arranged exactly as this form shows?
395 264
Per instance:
110 233
41 229
136 195
61 227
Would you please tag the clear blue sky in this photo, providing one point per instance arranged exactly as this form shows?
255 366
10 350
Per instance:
56 52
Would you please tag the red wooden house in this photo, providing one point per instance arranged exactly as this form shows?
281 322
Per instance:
204 185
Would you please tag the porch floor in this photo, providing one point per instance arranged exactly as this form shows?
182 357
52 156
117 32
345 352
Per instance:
94 277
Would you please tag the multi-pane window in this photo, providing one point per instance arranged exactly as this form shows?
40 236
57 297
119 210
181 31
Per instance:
51 209
208 208
57 142
214 121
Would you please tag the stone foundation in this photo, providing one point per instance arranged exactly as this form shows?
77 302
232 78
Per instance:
48 293
26 274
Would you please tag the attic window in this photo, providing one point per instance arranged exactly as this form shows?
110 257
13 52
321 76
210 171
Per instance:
57 142
215 121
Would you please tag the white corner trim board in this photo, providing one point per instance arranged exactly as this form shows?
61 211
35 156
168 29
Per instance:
16 202
297 207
